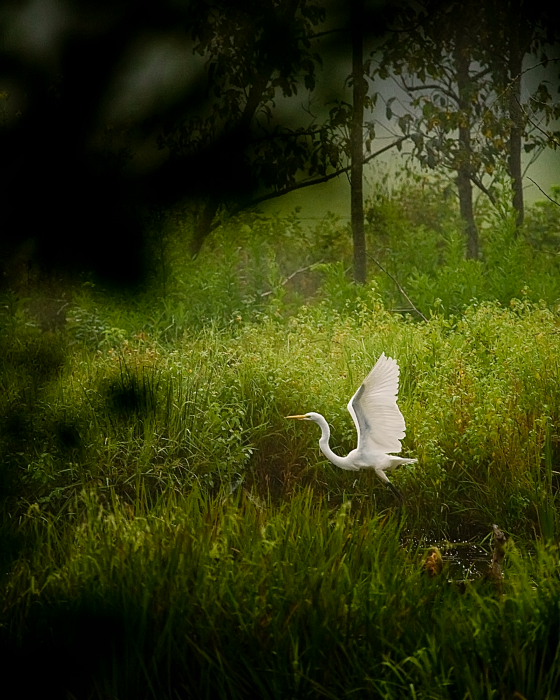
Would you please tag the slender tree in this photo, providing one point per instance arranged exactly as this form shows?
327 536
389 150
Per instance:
461 66
359 91
515 69
434 62
463 159
519 33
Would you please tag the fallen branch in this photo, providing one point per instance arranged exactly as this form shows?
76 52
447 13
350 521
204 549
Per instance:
291 277
401 290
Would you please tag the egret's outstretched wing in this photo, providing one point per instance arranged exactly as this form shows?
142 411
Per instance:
379 422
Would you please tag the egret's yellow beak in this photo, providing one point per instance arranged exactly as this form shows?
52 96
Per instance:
303 417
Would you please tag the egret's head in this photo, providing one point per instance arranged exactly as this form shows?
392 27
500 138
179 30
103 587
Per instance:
305 416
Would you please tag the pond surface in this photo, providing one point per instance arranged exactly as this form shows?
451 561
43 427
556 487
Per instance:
465 560
457 559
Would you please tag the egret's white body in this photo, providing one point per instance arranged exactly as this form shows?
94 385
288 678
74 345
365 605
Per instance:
379 422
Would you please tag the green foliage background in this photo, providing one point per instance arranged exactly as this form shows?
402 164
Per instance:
167 533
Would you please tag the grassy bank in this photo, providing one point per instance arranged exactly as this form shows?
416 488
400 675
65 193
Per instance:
166 533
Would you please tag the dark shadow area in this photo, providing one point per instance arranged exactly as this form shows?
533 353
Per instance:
75 193
69 647
94 98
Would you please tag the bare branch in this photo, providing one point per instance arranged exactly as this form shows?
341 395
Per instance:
545 194
299 186
537 152
287 135
401 290
430 86
291 277
386 148
323 178
481 73
482 187
328 32
548 135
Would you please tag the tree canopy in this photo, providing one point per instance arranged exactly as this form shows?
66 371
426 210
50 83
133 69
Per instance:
461 67
113 110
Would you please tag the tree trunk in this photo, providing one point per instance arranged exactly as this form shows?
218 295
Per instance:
359 88
515 66
464 184
204 222
464 188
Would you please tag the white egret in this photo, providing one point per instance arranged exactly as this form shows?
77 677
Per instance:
379 422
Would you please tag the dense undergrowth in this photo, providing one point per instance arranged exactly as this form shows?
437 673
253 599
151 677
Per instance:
166 533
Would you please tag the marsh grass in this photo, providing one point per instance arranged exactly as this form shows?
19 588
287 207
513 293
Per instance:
166 533
479 392
226 596
171 535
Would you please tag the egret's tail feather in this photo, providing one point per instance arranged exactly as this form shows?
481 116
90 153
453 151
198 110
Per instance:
397 461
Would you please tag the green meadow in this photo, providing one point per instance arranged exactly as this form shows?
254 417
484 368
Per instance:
166 533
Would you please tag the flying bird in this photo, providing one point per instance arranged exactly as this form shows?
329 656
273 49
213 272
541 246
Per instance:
379 422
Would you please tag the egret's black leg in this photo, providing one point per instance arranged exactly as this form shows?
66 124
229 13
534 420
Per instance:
395 491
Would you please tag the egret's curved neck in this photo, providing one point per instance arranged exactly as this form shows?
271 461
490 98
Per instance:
324 442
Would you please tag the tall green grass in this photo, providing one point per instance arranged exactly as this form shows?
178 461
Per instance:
166 533
234 596
479 393
415 233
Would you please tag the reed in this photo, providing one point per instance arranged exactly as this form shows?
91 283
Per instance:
227 595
